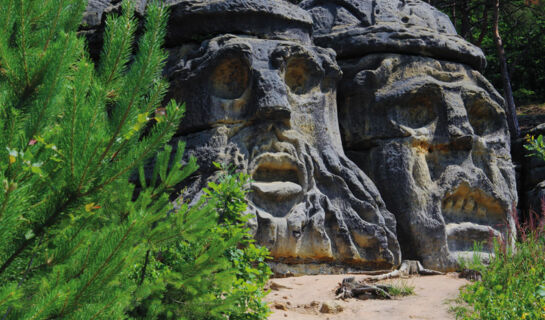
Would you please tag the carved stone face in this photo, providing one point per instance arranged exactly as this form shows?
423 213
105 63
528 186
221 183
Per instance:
269 107
433 136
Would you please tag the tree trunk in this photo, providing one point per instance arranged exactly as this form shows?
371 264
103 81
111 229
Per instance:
507 90
465 28
484 24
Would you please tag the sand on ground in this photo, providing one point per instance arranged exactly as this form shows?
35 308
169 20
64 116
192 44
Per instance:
302 298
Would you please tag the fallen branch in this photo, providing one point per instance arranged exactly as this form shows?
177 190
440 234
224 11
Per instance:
349 288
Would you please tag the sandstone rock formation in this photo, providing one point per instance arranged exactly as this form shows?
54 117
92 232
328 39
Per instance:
420 119
263 98
260 80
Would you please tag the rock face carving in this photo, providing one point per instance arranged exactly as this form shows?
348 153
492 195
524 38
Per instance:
423 123
414 112
267 103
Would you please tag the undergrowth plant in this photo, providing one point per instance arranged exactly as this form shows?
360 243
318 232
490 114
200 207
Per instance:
512 286
513 283
77 241
227 271
401 288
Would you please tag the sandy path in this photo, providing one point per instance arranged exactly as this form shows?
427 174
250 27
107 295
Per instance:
303 297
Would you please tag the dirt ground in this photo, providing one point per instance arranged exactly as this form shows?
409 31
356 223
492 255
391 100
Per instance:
313 297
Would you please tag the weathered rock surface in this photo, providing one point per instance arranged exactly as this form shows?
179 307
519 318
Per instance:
267 104
426 126
358 27
193 19
415 114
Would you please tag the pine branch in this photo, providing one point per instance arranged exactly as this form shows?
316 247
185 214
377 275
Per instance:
54 26
51 220
143 68
104 264
22 16
37 125
25 274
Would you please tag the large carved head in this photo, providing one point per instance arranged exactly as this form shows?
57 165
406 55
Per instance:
267 104
425 125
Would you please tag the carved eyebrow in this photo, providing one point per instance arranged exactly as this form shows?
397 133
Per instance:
478 94
240 50
283 52
408 88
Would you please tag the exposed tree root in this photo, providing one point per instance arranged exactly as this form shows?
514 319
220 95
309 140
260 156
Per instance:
350 288
408 267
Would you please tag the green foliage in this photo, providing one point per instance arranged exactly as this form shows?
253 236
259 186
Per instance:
536 146
222 271
401 288
77 241
513 283
512 286
522 28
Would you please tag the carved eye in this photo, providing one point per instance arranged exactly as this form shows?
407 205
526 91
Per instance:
482 116
230 78
300 75
417 111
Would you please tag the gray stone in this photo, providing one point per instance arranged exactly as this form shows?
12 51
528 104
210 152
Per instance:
415 114
531 173
358 27
433 136
535 198
193 20
418 117
94 17
269 108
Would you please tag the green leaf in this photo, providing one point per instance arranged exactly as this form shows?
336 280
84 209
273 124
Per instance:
29 234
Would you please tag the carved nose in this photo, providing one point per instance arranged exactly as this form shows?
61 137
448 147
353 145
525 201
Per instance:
462 142
272 97
458 125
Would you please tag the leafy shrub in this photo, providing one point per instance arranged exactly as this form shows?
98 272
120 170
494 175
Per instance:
223 270
536 146
513 284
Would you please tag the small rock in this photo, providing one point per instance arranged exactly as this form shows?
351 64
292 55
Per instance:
331 307
276 286
280 306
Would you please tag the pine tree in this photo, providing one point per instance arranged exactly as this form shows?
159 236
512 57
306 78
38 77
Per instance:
77 241
71 134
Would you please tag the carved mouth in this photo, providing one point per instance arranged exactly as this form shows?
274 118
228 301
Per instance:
472 204
276 176
472 216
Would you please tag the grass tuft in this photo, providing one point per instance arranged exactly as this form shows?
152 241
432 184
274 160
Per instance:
401 288
513 284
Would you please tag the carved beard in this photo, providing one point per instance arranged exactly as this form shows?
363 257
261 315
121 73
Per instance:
336 216
335 222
